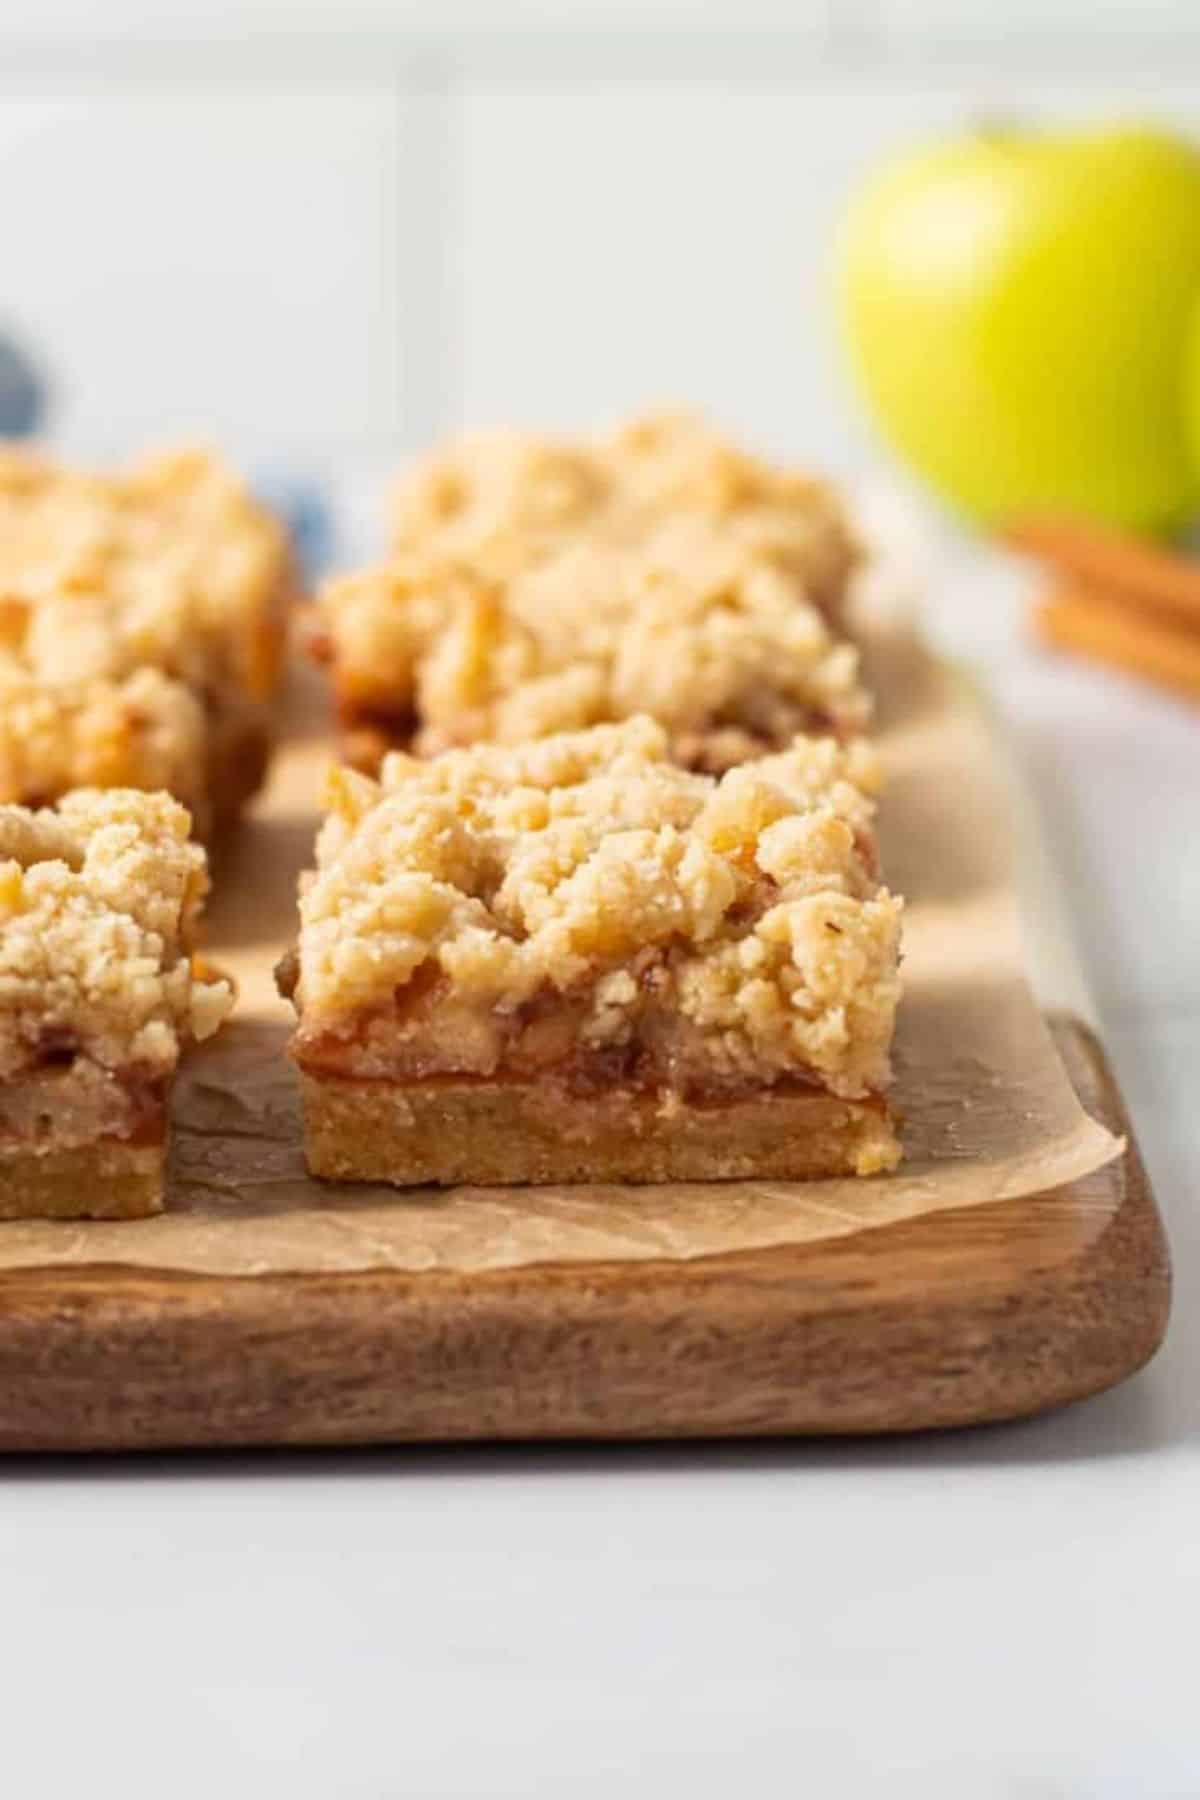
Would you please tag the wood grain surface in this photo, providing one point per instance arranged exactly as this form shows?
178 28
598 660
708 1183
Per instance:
959 1317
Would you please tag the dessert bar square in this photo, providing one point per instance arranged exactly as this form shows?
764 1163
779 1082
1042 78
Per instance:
688 624
170 568
574 960
98 995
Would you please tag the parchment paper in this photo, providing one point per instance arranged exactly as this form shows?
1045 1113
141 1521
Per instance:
989 1112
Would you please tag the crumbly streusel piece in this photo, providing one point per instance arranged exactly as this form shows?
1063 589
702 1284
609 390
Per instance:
575 960
502 499
144 730
170 567
98 903
688 624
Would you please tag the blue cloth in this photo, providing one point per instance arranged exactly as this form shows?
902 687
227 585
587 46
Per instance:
305 510
22 392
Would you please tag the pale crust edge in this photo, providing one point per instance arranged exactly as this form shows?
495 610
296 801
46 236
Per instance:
448 1132
92 1181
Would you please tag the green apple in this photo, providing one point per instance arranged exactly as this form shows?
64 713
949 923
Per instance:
1018 307
1191 387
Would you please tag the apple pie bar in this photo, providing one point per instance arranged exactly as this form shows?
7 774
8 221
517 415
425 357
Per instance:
142 621
503 499
98 994
574 960
689 624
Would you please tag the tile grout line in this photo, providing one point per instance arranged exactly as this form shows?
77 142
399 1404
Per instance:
853 32
854 40
428 127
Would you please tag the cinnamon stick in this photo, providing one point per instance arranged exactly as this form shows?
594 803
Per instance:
1105 628
1161 581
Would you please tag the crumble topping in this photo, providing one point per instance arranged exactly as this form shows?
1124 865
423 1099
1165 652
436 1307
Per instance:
98 902
690 625
171 564
503 498
500 497
736 924
144 730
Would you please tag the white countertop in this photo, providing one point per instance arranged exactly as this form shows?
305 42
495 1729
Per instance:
1001 1612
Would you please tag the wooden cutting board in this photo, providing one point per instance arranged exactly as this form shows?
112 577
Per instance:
992 1312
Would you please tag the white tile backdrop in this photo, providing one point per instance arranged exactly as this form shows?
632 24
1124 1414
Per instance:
208 260
323 231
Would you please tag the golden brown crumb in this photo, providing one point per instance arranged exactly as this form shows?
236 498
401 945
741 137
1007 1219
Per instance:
170 565
143 730
98 901
689 625
744 911
140 624
503 498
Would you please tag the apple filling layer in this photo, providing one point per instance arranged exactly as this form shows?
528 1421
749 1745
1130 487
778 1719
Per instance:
72 1101
583 1044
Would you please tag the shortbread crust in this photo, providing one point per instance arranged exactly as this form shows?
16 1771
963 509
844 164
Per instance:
449 1133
